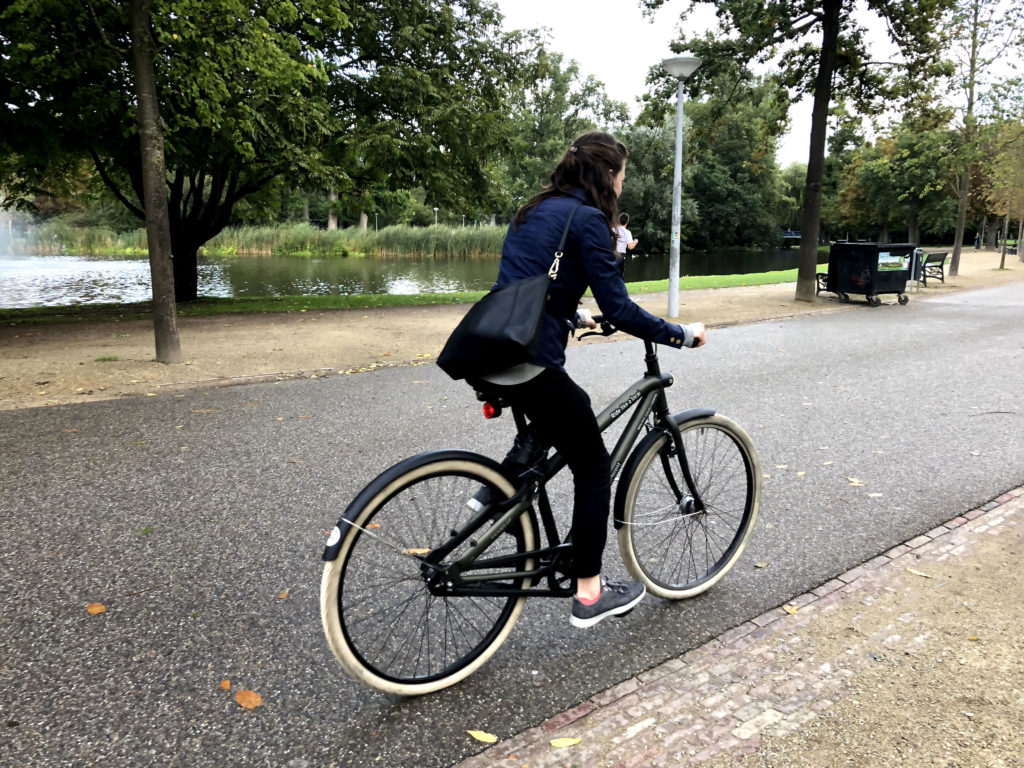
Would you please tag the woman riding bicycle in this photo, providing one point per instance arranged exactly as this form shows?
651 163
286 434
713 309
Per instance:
588 178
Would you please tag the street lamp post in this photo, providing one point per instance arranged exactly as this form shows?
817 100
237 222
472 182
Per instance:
435 217
680 67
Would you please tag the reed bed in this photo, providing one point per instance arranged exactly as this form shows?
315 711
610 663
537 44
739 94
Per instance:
439 241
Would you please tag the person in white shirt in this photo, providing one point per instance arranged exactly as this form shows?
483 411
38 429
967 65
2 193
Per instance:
623 238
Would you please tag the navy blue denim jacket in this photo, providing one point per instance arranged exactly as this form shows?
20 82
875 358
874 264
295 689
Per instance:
588 261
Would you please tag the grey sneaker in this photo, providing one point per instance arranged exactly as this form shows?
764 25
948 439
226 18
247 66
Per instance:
617 598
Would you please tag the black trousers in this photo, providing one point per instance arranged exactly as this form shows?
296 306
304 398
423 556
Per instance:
563 417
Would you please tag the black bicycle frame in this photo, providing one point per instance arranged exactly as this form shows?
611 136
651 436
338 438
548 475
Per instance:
458 577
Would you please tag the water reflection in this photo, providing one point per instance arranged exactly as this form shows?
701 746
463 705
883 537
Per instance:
27 281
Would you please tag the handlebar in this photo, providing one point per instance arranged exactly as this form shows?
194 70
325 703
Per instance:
607 329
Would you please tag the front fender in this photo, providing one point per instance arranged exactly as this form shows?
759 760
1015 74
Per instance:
642 447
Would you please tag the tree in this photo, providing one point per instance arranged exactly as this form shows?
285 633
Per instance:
730 186
369 95
545 117
991 31
1007 190
778 33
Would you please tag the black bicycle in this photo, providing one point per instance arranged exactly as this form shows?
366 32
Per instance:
428 569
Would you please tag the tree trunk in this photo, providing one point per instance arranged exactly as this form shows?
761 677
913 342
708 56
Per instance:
990 235
913 227
808 267
186 272
332 216
965 180
154 182
305 208
883 233
364 220
1020 239
1006 231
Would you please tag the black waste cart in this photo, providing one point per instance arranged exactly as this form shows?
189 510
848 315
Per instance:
869 270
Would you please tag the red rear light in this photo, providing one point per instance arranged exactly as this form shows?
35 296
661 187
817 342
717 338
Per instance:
491 411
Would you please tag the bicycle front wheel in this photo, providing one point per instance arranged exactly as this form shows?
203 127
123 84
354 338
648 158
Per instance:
382 619
665 543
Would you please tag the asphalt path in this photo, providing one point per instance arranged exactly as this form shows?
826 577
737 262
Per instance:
189 516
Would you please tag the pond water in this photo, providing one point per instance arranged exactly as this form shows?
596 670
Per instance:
31 281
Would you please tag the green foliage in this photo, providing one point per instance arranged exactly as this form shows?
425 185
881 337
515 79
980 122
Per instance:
545 118
365 97
730 188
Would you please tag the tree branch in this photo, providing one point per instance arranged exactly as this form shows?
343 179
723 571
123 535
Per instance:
113 187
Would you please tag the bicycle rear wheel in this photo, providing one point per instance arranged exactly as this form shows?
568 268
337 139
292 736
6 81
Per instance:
381 619
676 551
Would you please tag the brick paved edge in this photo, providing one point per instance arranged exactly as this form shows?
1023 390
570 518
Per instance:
722 696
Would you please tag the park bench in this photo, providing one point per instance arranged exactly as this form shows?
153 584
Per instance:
934 266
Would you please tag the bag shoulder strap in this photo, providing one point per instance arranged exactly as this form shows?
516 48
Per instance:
553 272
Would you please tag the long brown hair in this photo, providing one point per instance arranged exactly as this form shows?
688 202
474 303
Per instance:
589 164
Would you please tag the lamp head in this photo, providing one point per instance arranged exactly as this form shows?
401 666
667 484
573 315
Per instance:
681 67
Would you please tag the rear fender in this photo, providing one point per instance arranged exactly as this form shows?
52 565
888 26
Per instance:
389 476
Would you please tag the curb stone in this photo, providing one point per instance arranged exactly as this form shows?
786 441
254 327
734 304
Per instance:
719 700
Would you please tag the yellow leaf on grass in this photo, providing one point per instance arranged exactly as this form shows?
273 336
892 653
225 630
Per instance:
283 595
248 699
919 573
416 551
484 736
565 742
95 608
225 685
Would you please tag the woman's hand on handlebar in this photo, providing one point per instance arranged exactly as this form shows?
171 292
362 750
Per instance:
700 334
584 319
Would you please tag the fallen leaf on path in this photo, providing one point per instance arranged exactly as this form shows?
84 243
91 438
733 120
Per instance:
854 481
425 354
800 474
225 685
828 464
565 742
283 595
484 736
70 430
205 410
874 495
416 551
790 609
372 526
782 466
761 565
95 608
920 573
248 699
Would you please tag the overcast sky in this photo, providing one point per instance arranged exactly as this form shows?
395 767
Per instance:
612 40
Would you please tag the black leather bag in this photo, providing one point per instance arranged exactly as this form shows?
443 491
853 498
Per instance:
503 328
